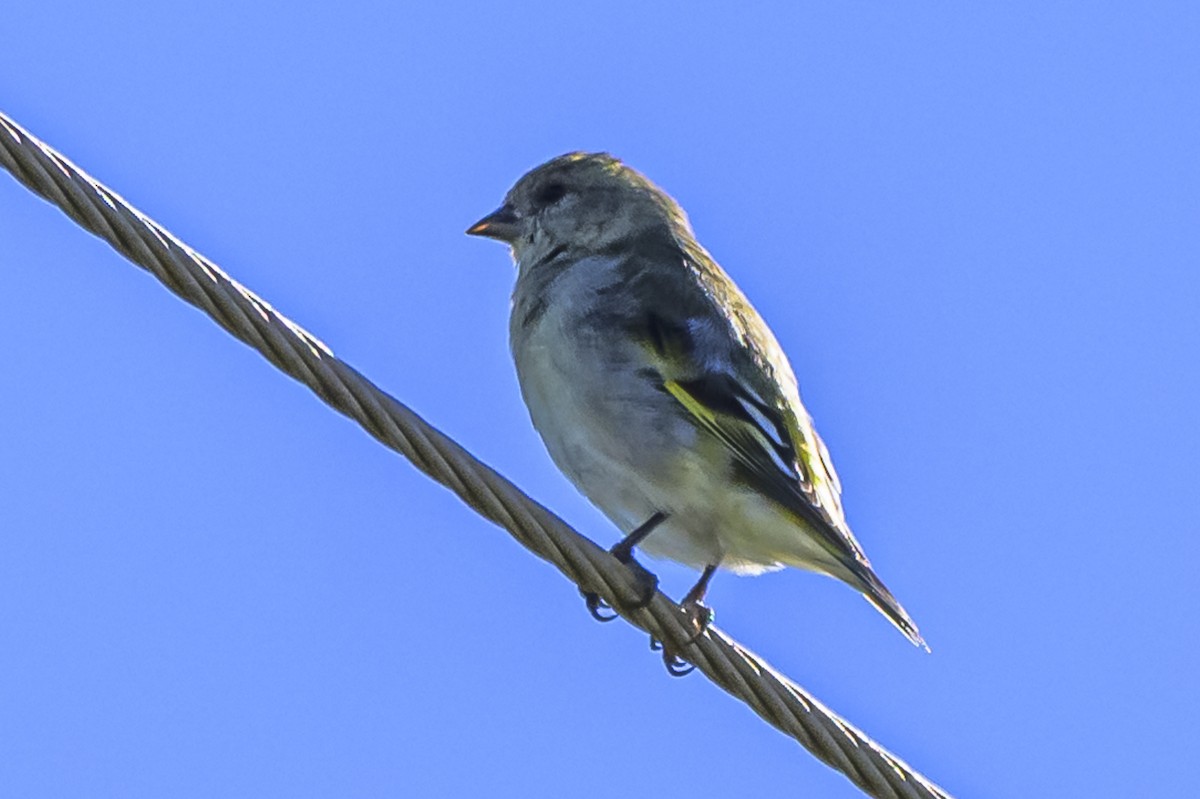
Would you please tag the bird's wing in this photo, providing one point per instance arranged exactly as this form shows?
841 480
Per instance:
740 400
714 355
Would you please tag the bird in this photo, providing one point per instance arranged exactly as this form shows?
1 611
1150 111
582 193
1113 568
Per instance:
661 393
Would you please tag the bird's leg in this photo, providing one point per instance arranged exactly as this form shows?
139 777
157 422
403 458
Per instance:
699 614
623 551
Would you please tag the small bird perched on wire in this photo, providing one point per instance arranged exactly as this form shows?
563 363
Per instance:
660 392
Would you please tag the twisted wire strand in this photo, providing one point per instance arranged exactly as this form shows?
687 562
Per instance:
198 281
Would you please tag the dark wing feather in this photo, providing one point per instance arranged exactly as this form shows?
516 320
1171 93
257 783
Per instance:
771 457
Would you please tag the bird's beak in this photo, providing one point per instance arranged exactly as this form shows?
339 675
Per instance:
501 224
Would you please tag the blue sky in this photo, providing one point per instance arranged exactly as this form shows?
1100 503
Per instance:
973 230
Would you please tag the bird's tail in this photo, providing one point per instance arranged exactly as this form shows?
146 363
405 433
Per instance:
878 595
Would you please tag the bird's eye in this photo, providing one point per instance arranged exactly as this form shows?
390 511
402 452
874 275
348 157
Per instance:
551 193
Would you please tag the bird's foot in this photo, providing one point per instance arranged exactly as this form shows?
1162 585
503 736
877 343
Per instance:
676 666
647 584
699 616
597 607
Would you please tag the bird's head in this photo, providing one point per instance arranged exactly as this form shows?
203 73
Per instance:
584 202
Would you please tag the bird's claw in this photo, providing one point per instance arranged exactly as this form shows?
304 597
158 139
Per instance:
677 666
700 616
596 607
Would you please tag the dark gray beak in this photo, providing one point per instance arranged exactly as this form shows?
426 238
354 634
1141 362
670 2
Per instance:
501 224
